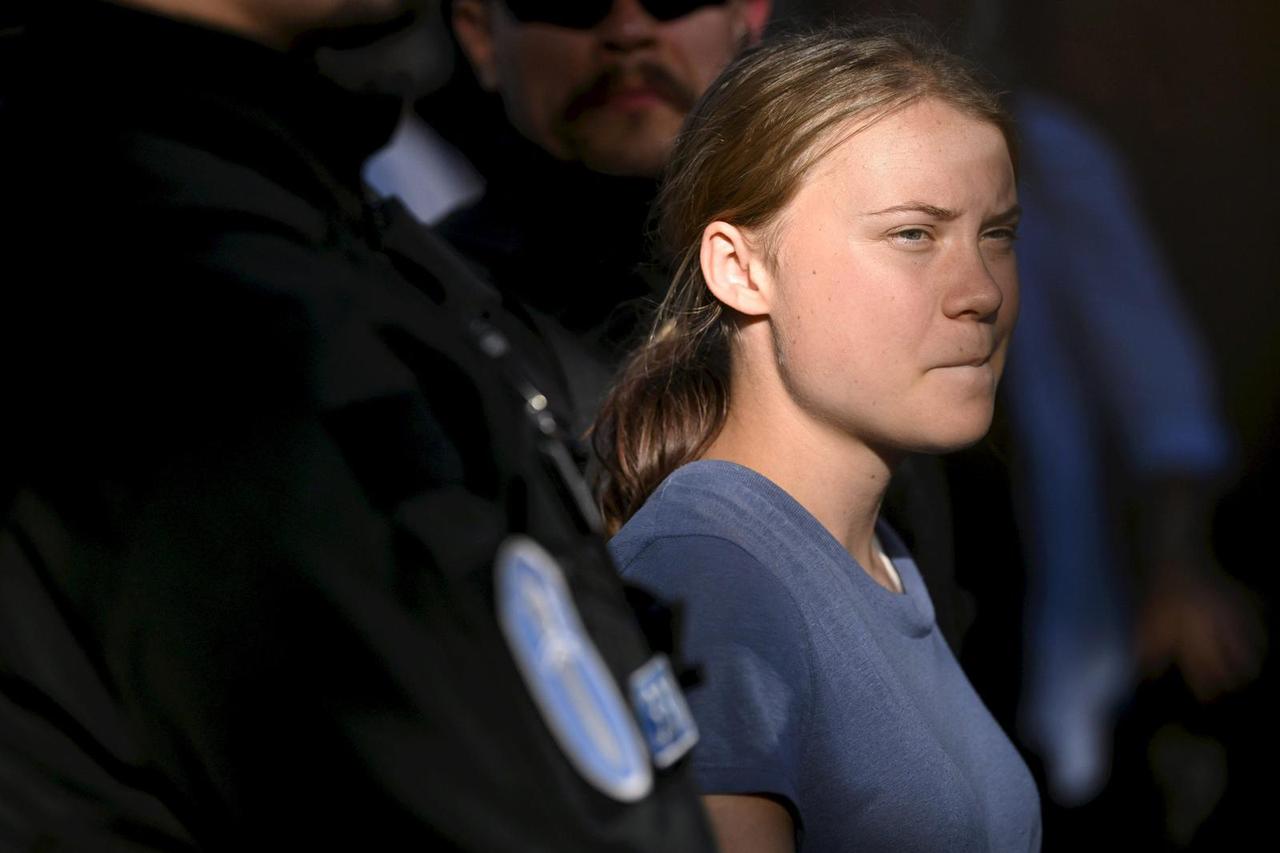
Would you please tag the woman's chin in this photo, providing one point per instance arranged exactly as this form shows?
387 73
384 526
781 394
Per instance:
948 436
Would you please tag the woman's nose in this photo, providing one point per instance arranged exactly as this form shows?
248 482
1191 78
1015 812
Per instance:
973 288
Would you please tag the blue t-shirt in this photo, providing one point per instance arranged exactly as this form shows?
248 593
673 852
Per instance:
821 687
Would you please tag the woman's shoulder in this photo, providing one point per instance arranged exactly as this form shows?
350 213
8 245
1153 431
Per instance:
743 628
720 582
708 498
681 563
730 599
697 540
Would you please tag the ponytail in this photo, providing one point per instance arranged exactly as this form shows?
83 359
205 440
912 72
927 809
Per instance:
667 404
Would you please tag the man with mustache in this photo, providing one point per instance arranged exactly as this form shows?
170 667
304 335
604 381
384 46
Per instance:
594 92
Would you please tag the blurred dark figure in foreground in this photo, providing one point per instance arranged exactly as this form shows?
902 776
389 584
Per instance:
292 555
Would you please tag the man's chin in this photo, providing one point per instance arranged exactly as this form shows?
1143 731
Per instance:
626 148
611 163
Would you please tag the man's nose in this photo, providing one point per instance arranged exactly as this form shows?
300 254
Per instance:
627 27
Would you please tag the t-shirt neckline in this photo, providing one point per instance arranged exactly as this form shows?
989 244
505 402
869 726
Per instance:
910 612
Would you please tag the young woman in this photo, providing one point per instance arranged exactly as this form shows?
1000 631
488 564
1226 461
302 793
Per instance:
841 213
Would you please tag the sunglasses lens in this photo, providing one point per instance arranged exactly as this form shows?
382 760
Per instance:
669 10
576 14
585 14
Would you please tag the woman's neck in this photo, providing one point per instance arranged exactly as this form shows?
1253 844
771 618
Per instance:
840 481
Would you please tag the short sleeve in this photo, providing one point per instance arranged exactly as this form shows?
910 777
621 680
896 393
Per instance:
743 629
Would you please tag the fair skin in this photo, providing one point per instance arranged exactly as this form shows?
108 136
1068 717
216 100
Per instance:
879 330
748 824
611 97
277 23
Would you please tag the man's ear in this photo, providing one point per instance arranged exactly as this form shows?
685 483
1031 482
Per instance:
734 270
755 17
473 25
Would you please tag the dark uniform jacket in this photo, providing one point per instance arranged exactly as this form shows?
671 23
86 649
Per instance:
571 247
262 449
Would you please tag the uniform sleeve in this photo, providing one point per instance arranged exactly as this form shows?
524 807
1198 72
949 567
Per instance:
743 629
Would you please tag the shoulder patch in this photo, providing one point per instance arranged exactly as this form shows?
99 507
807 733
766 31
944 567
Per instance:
563 671
664 714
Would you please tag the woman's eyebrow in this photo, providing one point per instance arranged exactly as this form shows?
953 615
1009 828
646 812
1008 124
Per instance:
1004 217
930 210
944 214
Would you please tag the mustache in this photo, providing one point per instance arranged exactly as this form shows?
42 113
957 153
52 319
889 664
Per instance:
618 78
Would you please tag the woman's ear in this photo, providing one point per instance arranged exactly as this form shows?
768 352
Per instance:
734 269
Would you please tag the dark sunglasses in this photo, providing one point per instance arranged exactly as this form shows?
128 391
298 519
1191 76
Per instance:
585 14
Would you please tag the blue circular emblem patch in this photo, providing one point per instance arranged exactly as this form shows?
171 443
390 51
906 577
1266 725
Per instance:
577 695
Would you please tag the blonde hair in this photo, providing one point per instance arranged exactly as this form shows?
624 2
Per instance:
743 154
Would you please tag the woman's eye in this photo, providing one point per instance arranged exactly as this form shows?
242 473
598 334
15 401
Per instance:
1007 235
911 236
